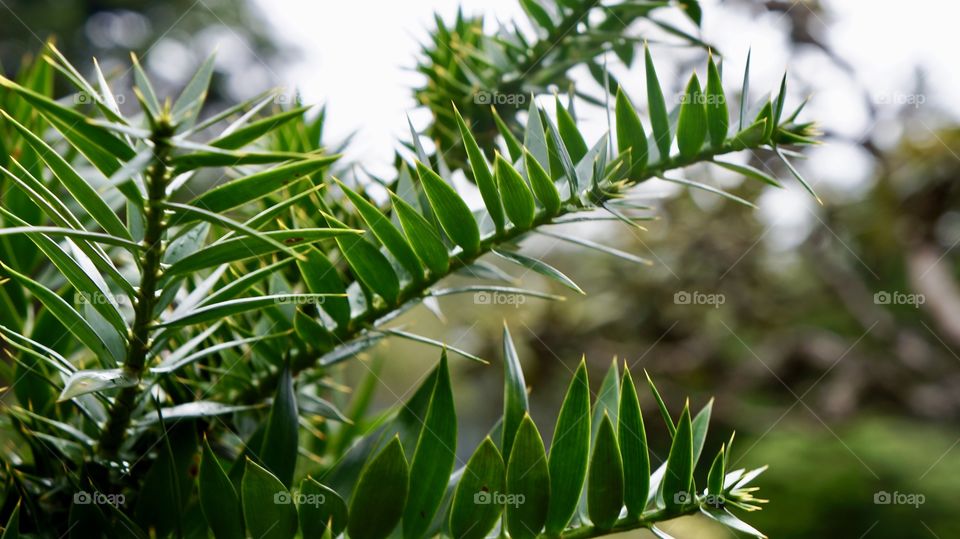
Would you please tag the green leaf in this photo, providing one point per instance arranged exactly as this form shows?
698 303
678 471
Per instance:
608 398
142 82
766 116
221 220
208 156
236 249
386 232
678 477
481 173
192 410
85 279
517 198
424 239
569 452
218 498
231 140
12 529
280 443
693 10
451 210
527 479
542 185
267 505
781 100
371 267
83 192
569 134
514 148
565 161
322 277
716 474
662 406
749 172
605 486
224 309
692 124
515 404
67 315
188 105
633 448
477 503
797 175
537 14
753 135
319 507
435 343
90 381
745 91
434 457
630 134
535 137
380 495
249 188
72 121
700 424
540 267
597 246
659 118
718 118
728 519
710 189
71 233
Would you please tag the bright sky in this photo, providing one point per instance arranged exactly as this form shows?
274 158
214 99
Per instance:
357 57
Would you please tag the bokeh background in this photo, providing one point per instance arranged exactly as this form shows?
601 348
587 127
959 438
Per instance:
832 342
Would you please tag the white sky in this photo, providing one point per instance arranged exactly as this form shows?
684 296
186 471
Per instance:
357 57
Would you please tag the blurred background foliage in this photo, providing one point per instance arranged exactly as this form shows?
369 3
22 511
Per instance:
845 396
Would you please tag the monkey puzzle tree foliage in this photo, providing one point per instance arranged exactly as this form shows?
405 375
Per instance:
179 290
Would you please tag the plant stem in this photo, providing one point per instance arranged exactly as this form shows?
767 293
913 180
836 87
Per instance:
420 289
146 300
